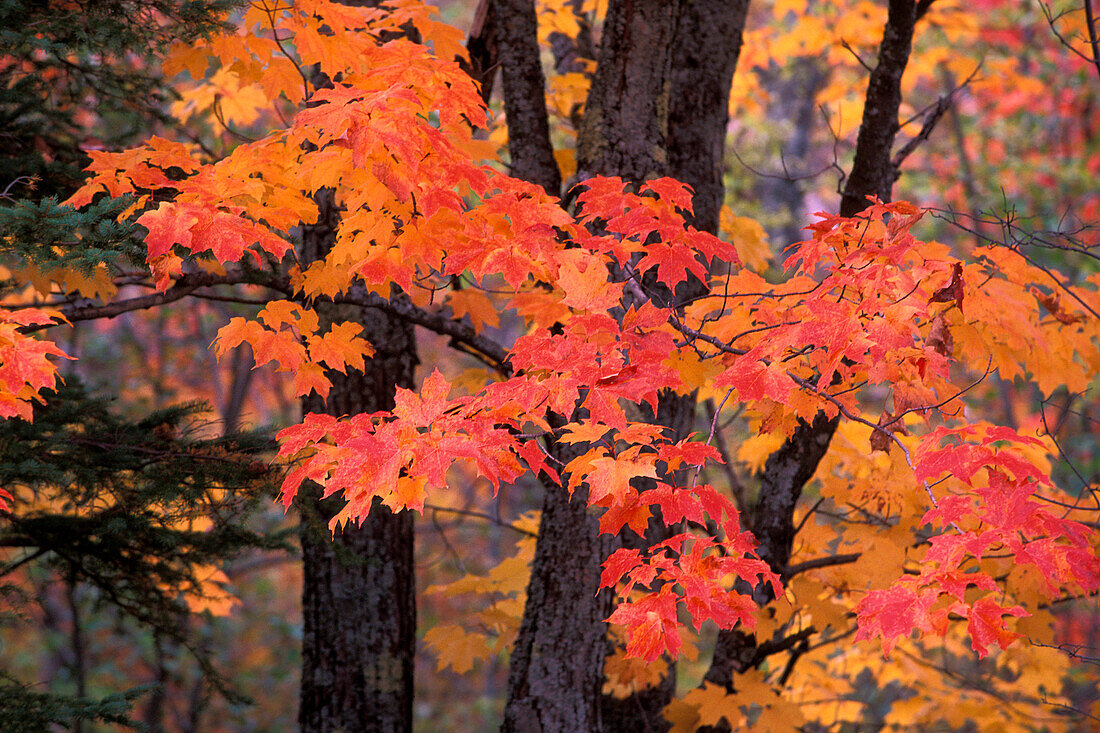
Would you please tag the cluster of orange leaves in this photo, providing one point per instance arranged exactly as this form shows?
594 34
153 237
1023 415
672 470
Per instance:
867 307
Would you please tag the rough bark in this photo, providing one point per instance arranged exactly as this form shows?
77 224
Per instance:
359 584
524 85
872 171
505 35
626 132
708 44
358 596
789 468
556 669
556 672
625 127
483 49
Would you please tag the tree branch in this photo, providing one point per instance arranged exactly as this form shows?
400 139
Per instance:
819 562
460 333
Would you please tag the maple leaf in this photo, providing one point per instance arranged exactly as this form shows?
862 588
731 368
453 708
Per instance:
712 704
407 493
618 564
169 224
651 625
987 626
309 378
609 478
1053 305
341 347
587 290
755 380
687 451
476 305
887 423
391 139
25 366
583 432
673 260
626 512
456 647
953 291
893 613
939 336
424 408
674 192
676 504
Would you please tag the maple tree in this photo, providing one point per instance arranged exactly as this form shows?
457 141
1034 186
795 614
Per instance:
929 528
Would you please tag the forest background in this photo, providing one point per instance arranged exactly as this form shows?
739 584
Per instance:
150 576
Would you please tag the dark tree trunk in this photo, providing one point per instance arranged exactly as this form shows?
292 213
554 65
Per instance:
708 44
873 173
789 468
647 115
556 676
359 584
505 34
524 84
358 596
556 669
625 127
556 673
704 52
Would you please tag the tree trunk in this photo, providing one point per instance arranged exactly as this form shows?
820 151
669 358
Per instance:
708 44
359 584
704 56
529 147
556 668
358 596
625 127
556 674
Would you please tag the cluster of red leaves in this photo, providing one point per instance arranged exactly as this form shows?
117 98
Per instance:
993 511
25 368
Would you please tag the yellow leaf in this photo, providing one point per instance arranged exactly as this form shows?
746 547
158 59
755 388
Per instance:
754 451
583 432
210 593
476 305
695 373
456 648
683 716
711 703
749 237
511 574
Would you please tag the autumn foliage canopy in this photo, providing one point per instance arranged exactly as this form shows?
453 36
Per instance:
618 300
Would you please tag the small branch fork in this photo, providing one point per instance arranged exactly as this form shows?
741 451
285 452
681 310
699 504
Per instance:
1090 24
933 115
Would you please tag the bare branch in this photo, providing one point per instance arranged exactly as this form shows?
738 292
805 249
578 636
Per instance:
819 562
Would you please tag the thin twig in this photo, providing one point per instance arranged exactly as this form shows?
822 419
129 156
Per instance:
480 515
